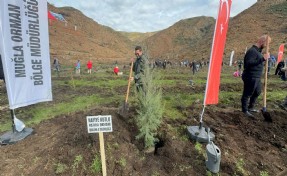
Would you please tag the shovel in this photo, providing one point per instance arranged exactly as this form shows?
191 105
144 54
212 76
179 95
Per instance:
266 115
125 107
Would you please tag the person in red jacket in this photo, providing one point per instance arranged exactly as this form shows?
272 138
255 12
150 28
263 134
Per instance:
116 70
89 66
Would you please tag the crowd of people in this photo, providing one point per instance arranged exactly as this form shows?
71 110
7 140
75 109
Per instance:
252 66
280 68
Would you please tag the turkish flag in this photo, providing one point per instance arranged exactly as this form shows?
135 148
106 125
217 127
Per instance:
221 26
50 16
280 53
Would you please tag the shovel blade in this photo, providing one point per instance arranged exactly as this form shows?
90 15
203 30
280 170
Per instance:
124 109
267 116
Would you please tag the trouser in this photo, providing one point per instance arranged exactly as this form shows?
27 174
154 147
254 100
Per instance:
193 71
139 85
251 91
283 77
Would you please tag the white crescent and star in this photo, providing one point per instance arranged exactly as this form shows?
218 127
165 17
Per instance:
227 12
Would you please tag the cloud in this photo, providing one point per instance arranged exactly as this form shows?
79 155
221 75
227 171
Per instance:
148 15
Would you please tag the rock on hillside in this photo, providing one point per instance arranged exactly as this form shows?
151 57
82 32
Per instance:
90 40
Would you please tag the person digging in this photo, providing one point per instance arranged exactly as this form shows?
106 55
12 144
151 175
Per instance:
251 76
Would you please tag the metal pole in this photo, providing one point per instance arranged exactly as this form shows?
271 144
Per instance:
12 118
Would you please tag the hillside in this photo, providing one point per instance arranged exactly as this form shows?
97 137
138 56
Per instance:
187 39
183 36
137 37
250 24
192 38
61 144
90 40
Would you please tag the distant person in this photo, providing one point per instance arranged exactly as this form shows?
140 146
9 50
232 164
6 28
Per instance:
283 72
253 68
116 70
139 67
193 65
1 70
78 67
56 64
269 65
164 64
236 73
273 60
89 66
240 64
278 70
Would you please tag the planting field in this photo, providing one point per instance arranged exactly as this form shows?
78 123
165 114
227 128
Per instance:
61 145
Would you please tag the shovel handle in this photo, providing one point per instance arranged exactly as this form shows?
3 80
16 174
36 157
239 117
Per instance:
129 82
265 75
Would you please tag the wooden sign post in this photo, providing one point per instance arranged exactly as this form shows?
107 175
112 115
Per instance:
100 124
103 156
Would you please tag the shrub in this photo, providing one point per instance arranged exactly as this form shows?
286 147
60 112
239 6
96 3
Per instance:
150 108
60 168
96 165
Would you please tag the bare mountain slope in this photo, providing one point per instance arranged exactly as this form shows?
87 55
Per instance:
192 38
137 37
187 39
264 17
176 40
88 40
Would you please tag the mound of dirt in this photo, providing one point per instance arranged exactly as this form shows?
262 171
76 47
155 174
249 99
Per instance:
248 146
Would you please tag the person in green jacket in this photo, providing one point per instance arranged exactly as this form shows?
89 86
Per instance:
139 67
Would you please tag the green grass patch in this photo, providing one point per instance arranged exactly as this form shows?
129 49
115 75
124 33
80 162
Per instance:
42 112
96 166
279 9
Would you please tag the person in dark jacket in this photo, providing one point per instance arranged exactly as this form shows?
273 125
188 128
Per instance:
1 70
253 68
279 67
139 67
193 65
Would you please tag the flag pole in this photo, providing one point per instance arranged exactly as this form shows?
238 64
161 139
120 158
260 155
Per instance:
12 118
199 133
18 132
201 116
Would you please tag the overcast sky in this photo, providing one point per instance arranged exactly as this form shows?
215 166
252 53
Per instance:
148 15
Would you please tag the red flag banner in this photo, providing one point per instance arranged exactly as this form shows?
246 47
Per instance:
50 16
219 38
280 53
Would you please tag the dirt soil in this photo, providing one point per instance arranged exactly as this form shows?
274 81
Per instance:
260 145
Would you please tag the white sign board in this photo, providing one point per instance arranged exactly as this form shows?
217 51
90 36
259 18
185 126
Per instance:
101 123
24 47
